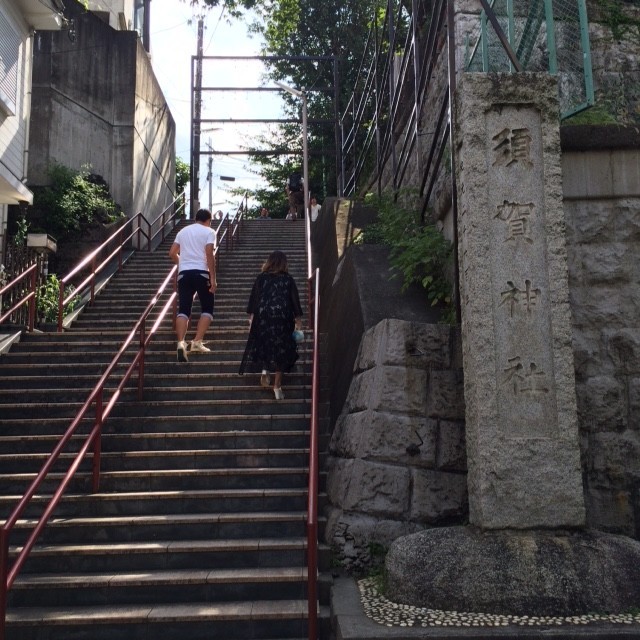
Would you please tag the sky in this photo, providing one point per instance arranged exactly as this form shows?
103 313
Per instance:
173 42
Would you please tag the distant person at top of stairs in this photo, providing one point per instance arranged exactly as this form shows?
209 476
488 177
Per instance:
314 208
264 214
295 196
274 308
193 252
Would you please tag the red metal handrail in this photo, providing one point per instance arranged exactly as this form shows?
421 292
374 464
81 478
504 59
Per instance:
312 504
312 501
8 576
175 210
30 297
233 226
131 229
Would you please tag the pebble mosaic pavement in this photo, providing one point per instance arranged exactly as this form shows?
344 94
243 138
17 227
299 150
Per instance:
392 614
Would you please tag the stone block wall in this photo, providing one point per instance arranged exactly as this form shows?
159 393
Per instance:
398 460
602 211
378 491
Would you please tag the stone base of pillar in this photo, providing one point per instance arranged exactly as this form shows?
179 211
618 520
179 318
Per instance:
532 572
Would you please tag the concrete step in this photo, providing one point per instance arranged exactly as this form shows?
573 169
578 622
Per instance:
259 404
166 479
160 587
177 526
164 459
21 427
165 555
94 364
213 361
164 441
165 502
239 620
248 390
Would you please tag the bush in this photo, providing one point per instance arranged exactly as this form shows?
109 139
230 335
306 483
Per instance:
73 199
419 252
47 299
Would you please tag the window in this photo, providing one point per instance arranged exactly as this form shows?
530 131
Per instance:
9 50
138 16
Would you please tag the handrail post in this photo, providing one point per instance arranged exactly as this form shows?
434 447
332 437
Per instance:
97 442
60 305
139 230
32 302
120 232
4 576
150 232
141 363
92 297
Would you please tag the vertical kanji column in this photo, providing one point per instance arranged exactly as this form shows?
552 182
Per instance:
521 423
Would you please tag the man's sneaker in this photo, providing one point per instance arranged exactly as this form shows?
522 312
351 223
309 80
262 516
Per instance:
265 378
182 351
198 345
278 393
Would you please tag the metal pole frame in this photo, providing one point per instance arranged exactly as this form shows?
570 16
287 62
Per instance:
305 154
196 111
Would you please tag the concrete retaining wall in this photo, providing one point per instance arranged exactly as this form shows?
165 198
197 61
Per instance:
96 102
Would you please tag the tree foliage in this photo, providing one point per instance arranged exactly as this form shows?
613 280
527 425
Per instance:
182 175
420 254
335 30
233 7
73 199
294 32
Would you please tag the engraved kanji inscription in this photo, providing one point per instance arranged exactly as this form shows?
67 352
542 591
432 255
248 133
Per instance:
517 217
530 381
511 146
515 298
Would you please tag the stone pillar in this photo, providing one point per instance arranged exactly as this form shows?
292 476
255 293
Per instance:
521 425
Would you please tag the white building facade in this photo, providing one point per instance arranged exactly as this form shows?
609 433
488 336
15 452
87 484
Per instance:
19 19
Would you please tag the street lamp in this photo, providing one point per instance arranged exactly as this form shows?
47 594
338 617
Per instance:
299 93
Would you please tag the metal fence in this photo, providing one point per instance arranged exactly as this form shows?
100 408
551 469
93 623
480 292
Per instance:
384 134
395 129
545 35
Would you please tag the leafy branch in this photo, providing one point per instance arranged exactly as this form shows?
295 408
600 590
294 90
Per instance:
419 252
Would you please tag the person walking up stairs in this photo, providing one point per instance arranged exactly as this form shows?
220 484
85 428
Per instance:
193 252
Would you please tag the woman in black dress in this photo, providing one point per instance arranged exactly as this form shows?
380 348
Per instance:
274 308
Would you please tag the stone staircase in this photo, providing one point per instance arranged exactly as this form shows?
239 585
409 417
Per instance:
198 528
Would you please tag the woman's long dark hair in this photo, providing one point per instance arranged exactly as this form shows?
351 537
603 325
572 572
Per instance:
276 263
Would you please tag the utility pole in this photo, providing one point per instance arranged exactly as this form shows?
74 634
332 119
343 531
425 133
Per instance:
196 113
210 177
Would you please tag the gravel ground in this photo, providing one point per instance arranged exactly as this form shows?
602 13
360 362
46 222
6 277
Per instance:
391 614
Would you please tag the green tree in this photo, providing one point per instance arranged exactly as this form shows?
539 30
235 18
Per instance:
307 28
301 29
232 7
182 175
